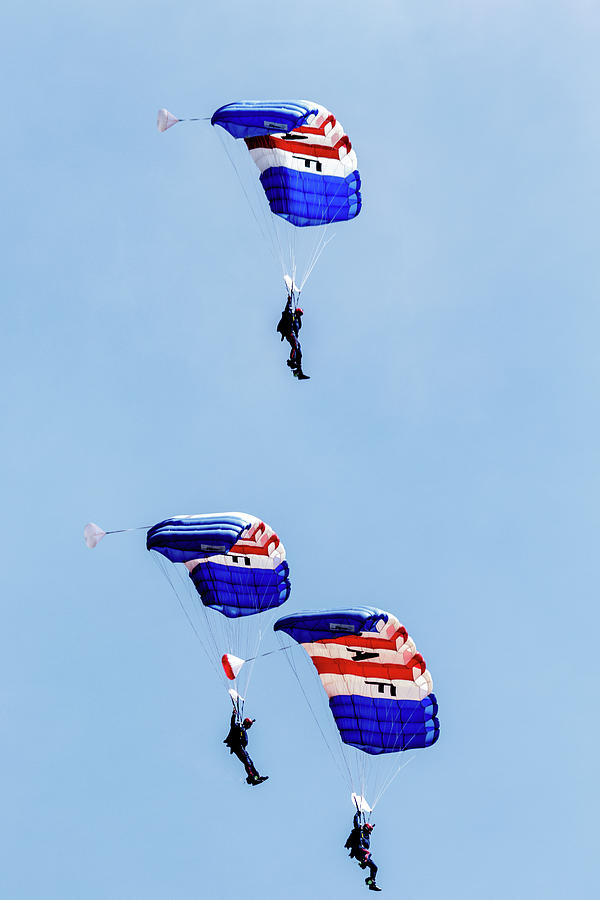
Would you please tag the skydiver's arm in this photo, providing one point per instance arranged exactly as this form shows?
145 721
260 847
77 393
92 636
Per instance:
357 819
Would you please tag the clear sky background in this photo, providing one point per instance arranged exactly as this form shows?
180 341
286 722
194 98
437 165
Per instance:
442 463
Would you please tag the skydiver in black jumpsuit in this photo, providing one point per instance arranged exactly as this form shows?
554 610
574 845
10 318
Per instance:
358 843
289 326
237 741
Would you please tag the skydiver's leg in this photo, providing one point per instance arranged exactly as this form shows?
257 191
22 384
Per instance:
244 758
298 360
372 868
250 767
294 351
366 861
291 339
370 880
252 776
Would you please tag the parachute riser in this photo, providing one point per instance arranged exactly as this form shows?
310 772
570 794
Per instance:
238 702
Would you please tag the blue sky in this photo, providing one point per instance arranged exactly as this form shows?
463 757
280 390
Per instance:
442 462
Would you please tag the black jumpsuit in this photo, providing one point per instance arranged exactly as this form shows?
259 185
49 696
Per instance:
237 741
358 843
289 326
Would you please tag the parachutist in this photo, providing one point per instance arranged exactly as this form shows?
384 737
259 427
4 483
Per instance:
289 326
358 843
237 741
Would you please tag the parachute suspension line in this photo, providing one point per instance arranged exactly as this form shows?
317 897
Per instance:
239 635
265 233
206 636
283 245
380 778
313 257
271 222
252 635
358 778
256 645
221 631
386 784
266 626
217 631
237 172
315 260
381 773
159 561
322 242
287 260
267 619
259 207
315 717
203 614
350 756
390 780
281 239
292 254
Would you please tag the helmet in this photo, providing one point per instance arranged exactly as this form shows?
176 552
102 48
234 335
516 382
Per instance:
299 310
248 722
368 827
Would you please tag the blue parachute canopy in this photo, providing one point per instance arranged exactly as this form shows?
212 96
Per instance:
235 586
379 688
253 117
235 561
325 624
386 726
306 198
308 168
183 538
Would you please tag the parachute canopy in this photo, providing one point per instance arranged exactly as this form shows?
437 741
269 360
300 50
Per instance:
253 117
232 666
165 120
235 561
182 538
93 534
379 688
307 164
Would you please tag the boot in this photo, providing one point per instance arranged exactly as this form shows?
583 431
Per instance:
301 376
258 779
370 882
